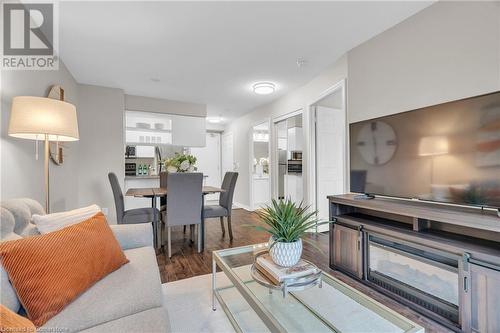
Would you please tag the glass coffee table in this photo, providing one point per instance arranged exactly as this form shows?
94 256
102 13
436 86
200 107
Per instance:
336 307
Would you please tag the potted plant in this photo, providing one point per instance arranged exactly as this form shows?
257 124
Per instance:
286 222
181 163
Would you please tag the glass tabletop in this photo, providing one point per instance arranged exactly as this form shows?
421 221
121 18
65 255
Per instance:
335 307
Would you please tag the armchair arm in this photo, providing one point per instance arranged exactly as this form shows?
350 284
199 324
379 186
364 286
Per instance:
131 236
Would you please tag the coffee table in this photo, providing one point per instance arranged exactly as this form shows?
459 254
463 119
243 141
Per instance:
336 307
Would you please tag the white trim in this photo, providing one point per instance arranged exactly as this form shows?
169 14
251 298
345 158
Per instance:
311 173
288 115
251 156
240 205
274 149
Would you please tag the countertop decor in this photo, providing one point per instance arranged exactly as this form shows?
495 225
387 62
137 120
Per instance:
181 163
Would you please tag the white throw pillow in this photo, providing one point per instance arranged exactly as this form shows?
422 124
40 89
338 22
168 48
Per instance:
52 222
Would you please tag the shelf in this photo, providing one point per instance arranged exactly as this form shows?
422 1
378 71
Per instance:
150 144
152 130
459 216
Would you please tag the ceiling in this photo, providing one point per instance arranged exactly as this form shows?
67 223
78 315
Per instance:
212 52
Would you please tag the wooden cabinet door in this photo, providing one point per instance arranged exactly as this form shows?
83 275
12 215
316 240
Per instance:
347 250
483 299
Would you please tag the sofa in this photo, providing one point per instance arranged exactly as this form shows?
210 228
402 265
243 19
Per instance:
127 300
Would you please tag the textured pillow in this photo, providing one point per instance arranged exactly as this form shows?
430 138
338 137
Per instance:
12 322
8 295
49 271
52 222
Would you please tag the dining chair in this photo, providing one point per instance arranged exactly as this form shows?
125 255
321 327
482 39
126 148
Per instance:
184 202
131 216
224 208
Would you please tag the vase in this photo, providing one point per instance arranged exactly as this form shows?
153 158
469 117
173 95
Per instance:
285 254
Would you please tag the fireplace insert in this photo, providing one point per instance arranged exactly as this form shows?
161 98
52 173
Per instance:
421 275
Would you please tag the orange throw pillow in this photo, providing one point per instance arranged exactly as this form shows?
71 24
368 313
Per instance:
49 271
12 322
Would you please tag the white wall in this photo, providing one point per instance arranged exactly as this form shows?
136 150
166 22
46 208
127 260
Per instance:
21 174
101 119
298 99
448 51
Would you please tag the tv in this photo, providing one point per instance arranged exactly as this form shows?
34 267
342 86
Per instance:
447 153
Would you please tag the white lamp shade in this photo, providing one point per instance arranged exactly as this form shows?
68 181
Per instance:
433 145
34 117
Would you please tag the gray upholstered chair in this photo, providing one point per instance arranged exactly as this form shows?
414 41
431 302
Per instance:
224 208
131 216
184 202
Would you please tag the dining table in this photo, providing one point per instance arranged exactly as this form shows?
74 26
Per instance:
158 192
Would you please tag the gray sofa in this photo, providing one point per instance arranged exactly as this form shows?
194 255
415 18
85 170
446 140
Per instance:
127 300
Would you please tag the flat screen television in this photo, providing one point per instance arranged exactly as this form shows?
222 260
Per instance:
446 153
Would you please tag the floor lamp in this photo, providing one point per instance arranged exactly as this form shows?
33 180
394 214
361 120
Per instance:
40 118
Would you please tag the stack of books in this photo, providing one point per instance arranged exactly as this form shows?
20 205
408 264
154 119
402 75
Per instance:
277 274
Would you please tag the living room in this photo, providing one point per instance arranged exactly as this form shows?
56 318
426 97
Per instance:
252 102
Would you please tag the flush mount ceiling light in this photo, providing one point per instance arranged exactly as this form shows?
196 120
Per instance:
215 120
264 88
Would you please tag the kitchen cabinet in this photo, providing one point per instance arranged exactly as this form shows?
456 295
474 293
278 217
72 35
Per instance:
294 187
152 129
261 193
347 252
482 289
188 131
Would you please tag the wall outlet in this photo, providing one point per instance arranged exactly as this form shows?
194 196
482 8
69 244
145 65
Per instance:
105 211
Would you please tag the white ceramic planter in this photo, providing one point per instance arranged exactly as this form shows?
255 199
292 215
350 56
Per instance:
285 254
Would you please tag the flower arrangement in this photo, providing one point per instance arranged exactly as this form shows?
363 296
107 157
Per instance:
181 163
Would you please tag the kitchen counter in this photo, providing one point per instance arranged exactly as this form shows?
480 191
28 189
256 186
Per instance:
142 177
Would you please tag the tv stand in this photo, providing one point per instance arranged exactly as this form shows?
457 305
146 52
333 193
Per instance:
365 196
441 261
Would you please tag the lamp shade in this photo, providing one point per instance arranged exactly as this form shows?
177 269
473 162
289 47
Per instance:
433 145
34 117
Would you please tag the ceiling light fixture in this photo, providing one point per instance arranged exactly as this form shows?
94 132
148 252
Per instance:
264 88
215 120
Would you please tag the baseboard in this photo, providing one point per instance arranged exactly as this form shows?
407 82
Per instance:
243 206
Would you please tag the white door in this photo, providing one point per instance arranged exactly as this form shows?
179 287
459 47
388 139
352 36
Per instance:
330 159
208 160
227 153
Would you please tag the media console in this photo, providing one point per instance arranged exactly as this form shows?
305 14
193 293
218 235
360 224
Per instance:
443 261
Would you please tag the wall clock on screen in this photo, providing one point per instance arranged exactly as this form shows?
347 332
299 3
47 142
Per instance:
377 142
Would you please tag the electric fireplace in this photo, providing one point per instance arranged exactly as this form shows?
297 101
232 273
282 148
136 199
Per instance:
424 276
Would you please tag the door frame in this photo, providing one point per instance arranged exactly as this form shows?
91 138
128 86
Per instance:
274 148
220 150
312 170
250 160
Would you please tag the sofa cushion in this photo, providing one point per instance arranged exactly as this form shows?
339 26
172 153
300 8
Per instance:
51 222
152 320
133 288
21 210
8 295
50 271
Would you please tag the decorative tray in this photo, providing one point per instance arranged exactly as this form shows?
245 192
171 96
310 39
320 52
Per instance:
287 285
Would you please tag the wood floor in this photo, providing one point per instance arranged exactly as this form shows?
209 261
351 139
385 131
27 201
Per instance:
186 262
